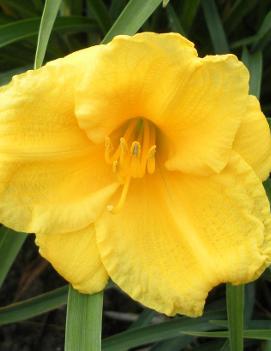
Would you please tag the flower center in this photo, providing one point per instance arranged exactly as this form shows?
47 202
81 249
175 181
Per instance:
134 154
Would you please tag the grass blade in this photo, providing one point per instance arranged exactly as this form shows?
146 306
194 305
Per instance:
175 344
159 332
49 14
257 334
264 33
33 307
235 311
10 244
174 20
189 10
132 18
144 319
254 63
215 27
24 29
98 10
84 321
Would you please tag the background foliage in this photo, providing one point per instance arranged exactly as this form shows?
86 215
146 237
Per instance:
32 288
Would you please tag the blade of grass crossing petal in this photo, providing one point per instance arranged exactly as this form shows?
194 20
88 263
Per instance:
174 20
235 312
49 14
84 321
132 18
215 27
100 13
254 63
33 307
10 244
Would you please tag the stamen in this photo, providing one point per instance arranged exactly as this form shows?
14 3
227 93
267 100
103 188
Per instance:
115 209
133 157
151 160
115 166
124 153
108 150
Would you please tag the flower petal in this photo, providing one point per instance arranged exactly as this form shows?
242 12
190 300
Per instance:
52 177
76 257
178 236
202 119
132 77
196 103
253 141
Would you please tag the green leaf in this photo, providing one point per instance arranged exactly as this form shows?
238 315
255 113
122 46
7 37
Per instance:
175 344
174 20
215 27
237 15
144 319
267 183
116 8
132 18
264 33
260 39
154 333
254 63
10 244
257 334
249 302
235 311
98 10
84 321
33 307
23 29
225 346
188 13
49 14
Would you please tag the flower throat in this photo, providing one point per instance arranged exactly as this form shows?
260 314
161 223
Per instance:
134 155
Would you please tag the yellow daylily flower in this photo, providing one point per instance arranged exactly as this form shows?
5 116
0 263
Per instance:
142 162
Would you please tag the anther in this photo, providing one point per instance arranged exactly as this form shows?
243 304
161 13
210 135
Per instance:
135 149
151 159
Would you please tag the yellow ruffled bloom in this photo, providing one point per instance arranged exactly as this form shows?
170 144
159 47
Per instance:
142 162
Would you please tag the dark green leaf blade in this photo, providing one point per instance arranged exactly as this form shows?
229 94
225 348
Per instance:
215 27
235 311
10 244
50 11
33 307
84 321
132 18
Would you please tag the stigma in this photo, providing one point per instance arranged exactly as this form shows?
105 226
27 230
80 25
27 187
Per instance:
133 156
